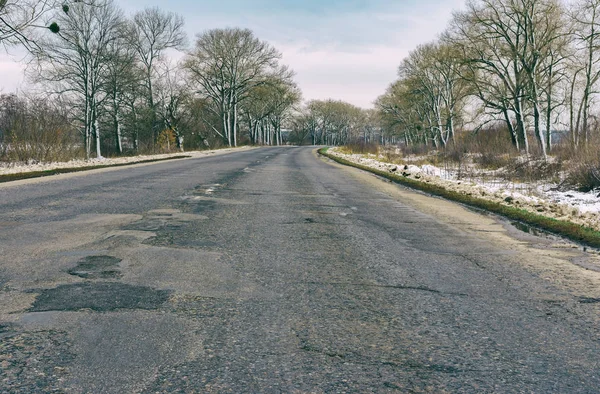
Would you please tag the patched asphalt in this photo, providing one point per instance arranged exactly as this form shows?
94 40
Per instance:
273 271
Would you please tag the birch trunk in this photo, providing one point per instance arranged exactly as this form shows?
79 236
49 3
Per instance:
97 133
117 120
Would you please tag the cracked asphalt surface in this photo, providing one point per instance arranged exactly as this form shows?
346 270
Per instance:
276 271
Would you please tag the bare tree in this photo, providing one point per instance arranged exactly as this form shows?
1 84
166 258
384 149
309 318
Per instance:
585 15
403 114
75 61
121 82
152 32
334 122
225 65
510 47
433 70
173 94
267 107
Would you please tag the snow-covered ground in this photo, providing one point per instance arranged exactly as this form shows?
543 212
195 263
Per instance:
542 198
16 168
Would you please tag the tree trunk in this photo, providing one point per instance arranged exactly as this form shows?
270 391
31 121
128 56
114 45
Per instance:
178 138
513 134
549 109
539 133
88 128
234 123
117 121
97 132
521 130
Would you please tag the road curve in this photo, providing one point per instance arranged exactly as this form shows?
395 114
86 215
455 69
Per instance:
276 271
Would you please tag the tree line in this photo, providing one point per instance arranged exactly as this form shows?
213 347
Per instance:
114 79
532 66
528 67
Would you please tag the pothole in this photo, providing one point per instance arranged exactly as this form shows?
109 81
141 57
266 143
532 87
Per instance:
200 204
145 225
170 240
207 189
100 297
97 267
589 300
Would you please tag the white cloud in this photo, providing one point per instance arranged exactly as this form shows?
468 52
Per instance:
355 77
11 73
350 55
354 57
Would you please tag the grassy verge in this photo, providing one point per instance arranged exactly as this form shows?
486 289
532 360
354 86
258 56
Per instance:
572 231
38 174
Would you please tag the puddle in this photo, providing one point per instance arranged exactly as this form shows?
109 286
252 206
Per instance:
179 240
97 267
100 297
145 225
530 230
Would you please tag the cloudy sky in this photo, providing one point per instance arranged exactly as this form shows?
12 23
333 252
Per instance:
341 49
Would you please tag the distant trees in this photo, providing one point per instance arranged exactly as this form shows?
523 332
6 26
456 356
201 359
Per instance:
334 122
267 108
226 67
34 129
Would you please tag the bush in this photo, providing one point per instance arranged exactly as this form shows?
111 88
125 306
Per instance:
533 170
583 170
166 141
31 130
361 147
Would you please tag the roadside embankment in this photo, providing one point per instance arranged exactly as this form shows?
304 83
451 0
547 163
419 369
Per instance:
14 172
555 218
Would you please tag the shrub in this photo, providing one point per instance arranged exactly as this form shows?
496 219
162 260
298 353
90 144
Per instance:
361 147
166 140
583 170
32 130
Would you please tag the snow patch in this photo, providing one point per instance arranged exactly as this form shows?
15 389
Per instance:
17 168
542 198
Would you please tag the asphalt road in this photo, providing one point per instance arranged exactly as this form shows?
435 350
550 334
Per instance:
272 270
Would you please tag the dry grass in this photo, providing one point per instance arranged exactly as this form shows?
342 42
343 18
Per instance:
490 153
33 131
360 147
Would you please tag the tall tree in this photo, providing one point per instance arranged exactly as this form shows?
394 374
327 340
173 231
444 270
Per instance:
585 15
172 95
225 65
121 81
505 44
152 32
267 107
75 61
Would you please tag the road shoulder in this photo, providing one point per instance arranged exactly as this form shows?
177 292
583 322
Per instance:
568 266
